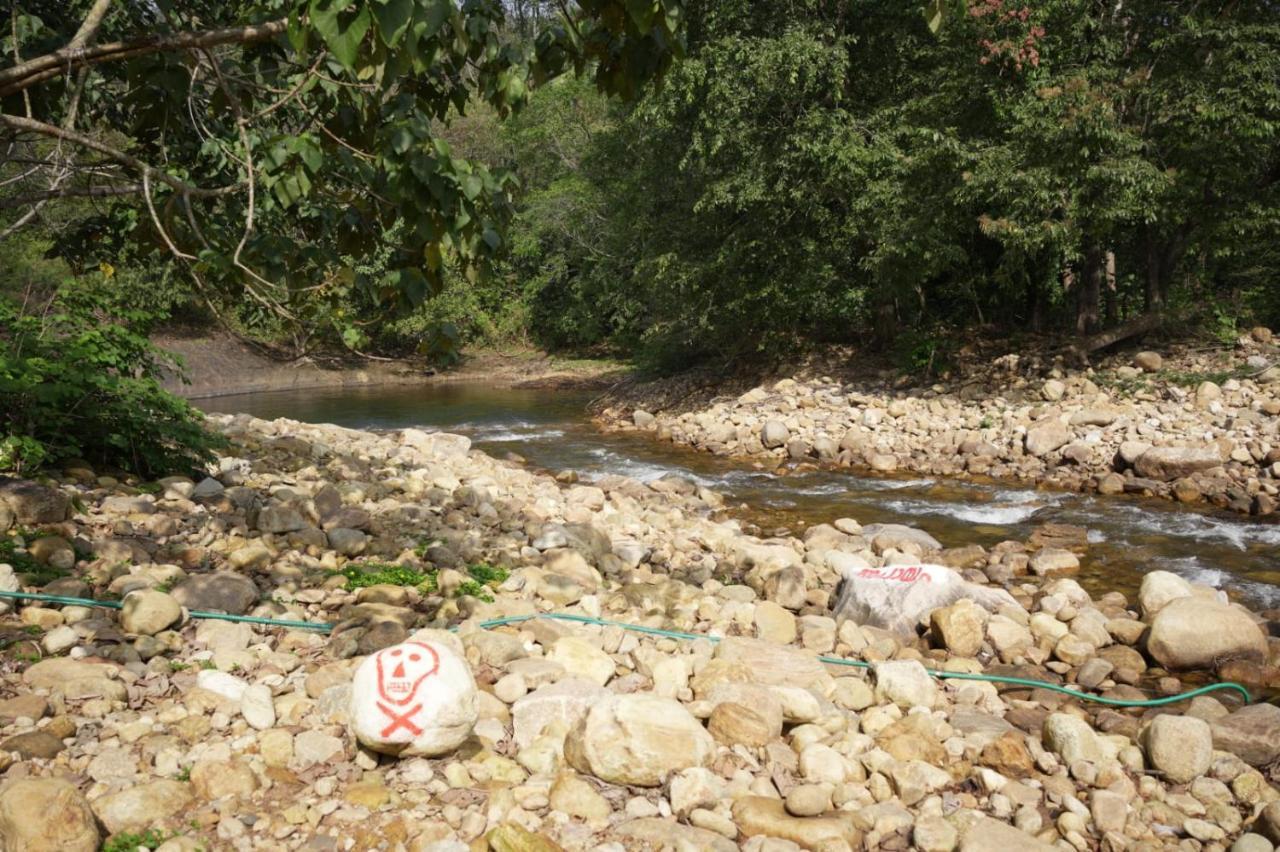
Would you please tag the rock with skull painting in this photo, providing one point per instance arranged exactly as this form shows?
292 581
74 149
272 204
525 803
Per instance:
417 698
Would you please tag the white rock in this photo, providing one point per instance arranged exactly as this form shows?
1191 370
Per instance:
905 683
899 597
228 686
414 699
258 707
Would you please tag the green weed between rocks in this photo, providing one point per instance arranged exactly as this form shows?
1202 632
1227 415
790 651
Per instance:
483 576
131 841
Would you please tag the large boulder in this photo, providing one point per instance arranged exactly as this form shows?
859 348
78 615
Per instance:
1251 733
1158 589
1197 633
637 739
417 698
1045 436
1181 747
142 805
774 434
560 703
45 815
900 597
1169 463
221 591
32 503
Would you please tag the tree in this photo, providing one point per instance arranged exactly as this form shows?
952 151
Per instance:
262 145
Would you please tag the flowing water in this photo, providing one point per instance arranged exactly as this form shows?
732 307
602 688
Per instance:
553 431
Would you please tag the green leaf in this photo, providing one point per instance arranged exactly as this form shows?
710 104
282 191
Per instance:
934 14
642 12
394 17
343 38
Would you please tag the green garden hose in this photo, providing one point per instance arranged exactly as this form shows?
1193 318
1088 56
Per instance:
676 634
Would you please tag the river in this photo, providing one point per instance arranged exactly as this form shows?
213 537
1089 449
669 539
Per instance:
551 429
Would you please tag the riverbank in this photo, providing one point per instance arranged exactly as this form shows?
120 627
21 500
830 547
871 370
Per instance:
219 365
237 735
1184 424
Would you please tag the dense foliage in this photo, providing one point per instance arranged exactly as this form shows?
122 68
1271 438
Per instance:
821 170
79 380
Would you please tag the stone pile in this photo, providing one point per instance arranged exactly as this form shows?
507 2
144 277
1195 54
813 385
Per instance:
559 735
1121 428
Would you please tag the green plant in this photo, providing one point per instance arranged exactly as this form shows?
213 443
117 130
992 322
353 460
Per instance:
207 665
178 666
363 574
473 589
184 774
78 382
487 574
37 573
130 841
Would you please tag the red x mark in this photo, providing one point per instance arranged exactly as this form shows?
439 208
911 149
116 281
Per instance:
400 720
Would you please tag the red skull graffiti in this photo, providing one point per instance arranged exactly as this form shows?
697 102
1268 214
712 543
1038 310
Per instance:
401 670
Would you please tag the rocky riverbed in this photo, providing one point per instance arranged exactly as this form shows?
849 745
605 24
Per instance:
1186 425
150 728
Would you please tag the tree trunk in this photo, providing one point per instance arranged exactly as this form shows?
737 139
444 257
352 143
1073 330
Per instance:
1089 291
1109 295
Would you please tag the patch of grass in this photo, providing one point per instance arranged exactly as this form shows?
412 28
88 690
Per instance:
166 586
424 545
473 589
184 774
129 841
1191 380
487 574
23 563
207 665
364 574
176 666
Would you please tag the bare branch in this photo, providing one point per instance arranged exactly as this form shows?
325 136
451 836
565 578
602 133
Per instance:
148 171
26 74
90 26
71 192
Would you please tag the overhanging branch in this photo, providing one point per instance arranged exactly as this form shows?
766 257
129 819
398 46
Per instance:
27 74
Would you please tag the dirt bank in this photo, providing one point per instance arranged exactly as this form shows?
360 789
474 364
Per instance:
220 365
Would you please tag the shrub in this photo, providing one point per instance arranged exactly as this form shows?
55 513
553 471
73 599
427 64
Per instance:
79 379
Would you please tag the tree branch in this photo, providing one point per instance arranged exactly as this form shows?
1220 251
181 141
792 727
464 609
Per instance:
27 124
71 192
90 26
27 74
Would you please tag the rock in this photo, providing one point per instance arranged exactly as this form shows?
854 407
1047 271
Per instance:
27 705
54 551
759 816
1046 436
987 835
882 462
206 488
281 519
655 833
141 806
1054 560
642 419
1251 733
215 779
1179 746
899 536
348 542
75 678
573 796
564 702
1071 738
45 815
30 503
934 834
414 699
1269 821
774 434
915 779
1179 638
774 624
1158 589
905 683
807 800
1148 362
146 612
438 444
898 597
512 837
221 591
1251 842
637 739
223 684
1166 464
1008 754
737 724
582 659
960 628
258 707
312 747
773 664
39 744
1053 390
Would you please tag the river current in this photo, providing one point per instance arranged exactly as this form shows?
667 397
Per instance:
552 430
